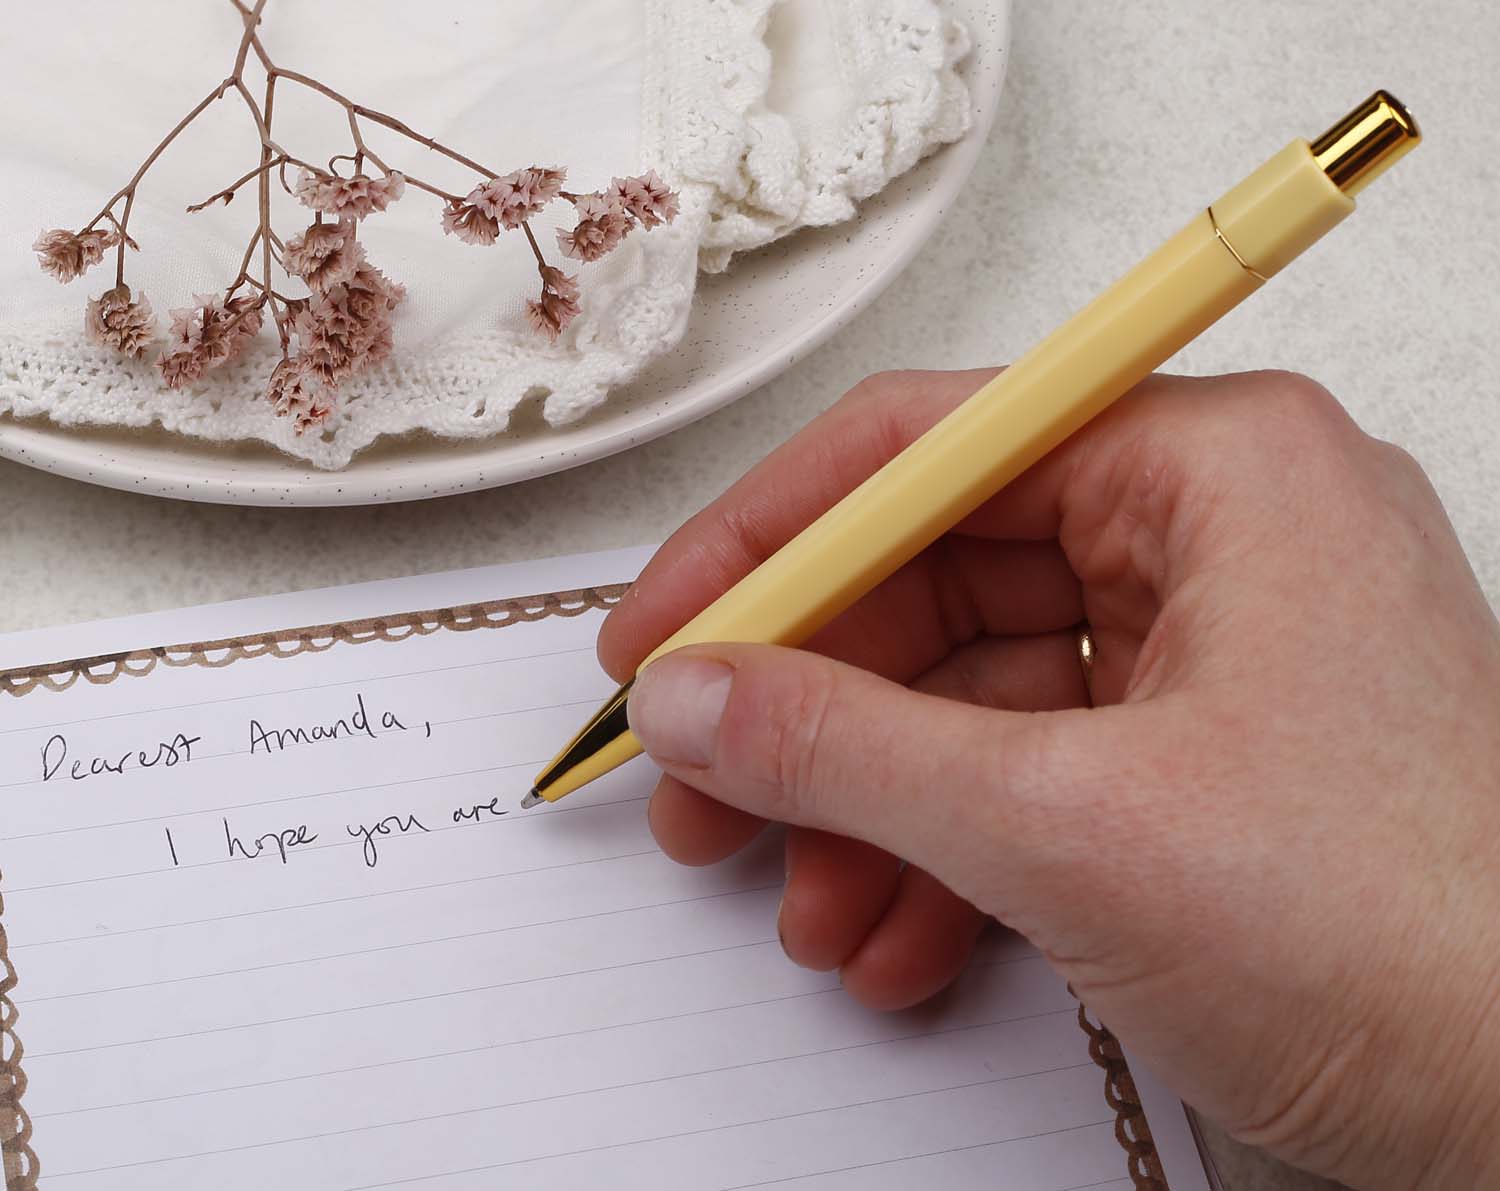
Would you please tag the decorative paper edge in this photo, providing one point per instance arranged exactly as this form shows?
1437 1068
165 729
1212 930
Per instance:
496 614
1132 1130
19 1158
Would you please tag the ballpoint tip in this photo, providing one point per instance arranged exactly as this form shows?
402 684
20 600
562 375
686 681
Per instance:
532 799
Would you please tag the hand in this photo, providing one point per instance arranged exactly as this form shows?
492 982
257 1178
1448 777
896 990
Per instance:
1268 855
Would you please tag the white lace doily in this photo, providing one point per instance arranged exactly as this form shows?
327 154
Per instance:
757 144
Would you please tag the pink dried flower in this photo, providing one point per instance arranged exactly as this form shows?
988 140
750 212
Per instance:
180 368
348 198
296 393
602 223
325 255
208 335
200 328
348 328
471 225
117 320
241 320
518 196
647 198
558 305
328 333
372 295
199 339
67 255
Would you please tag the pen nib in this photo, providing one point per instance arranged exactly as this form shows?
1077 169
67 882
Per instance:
531 799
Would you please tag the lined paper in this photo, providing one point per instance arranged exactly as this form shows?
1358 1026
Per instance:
281 923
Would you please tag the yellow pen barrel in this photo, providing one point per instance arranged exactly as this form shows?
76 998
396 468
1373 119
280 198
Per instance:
1171 297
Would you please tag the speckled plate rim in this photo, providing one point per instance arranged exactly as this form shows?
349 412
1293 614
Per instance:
899 221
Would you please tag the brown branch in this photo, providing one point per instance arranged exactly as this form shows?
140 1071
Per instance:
541 261
122 224
252 19
229 191
127 191
359 110
266 157
431 189
275 296
244 272
274 157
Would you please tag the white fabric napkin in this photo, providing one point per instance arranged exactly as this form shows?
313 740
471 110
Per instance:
754 144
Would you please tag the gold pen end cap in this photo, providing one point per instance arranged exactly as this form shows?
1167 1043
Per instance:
1366 142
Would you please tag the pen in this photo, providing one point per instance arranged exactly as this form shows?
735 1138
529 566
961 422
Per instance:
1218 260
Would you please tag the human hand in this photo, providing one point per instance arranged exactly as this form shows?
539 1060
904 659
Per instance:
1268 857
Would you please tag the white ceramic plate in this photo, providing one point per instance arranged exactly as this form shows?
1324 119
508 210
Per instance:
771 308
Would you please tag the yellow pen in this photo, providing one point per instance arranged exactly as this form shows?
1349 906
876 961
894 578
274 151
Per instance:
1190 282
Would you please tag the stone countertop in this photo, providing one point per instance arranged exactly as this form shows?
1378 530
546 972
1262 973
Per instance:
1118 120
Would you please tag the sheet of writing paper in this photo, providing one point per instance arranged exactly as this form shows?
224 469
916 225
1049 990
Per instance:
278 921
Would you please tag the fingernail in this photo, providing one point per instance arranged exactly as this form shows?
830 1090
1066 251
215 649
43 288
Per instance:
675 708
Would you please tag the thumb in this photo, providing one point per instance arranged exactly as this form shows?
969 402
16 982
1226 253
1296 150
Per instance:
799 738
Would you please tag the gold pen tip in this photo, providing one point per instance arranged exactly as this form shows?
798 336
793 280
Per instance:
1367 142
532 799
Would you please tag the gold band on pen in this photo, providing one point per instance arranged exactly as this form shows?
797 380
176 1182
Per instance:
1233 251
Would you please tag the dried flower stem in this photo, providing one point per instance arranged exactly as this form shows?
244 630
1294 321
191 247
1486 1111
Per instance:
536 249
267 155
229 191
358 111
272 154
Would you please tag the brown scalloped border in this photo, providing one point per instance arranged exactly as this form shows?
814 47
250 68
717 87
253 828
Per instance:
15 1126
496 614
1131 1128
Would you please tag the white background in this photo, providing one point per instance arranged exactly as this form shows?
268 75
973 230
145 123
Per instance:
1119 121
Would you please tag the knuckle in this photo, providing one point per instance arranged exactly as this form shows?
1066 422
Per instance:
1298 401
883 387
1279 422
1401 462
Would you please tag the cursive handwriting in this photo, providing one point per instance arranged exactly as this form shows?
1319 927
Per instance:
177 751
479 812
391 825
357 723
280 842
283 841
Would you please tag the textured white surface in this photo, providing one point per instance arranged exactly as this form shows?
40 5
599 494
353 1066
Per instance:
1120 120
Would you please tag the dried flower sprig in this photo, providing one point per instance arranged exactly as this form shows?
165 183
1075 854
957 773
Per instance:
118 320
343 324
